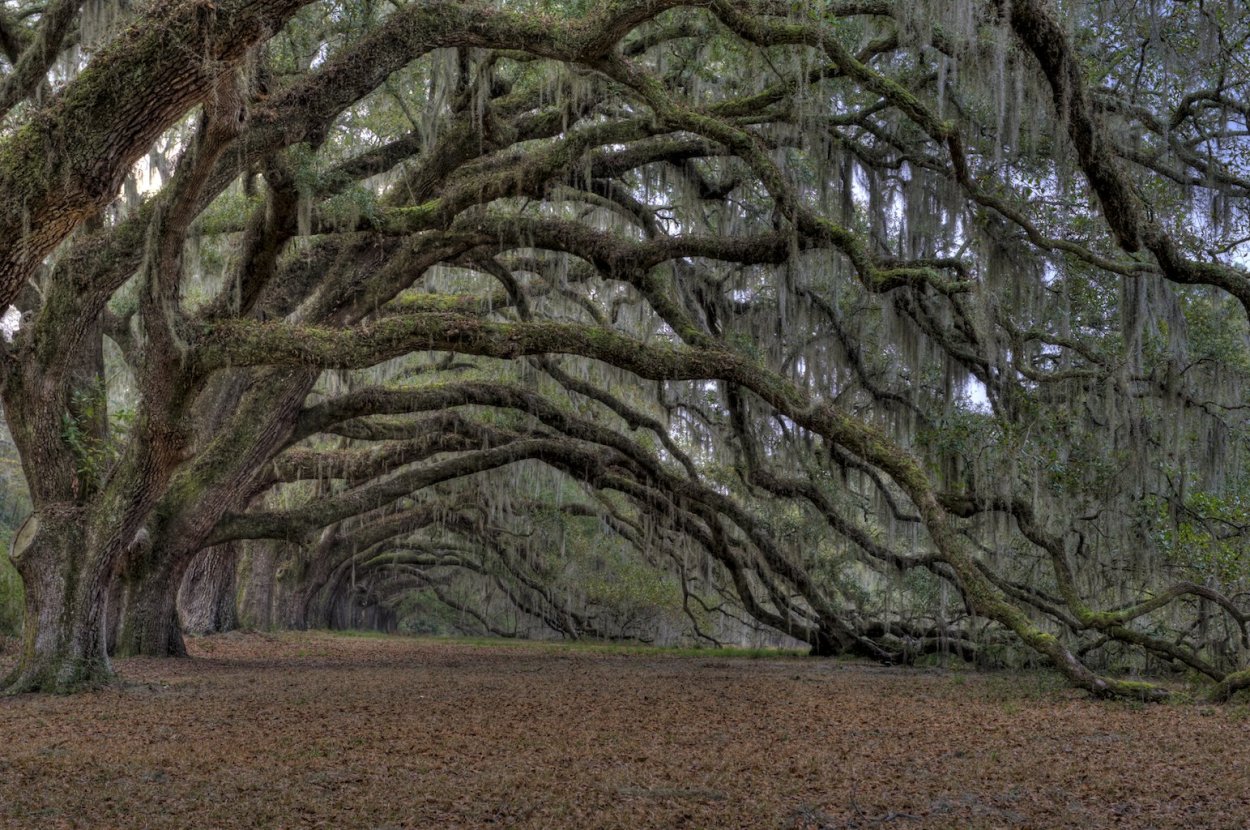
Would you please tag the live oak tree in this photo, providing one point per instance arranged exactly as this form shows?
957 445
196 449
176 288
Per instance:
889 326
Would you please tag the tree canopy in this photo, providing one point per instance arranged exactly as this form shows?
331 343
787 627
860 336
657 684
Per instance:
897 328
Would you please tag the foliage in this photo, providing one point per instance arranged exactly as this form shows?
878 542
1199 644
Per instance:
901 332
1206 534
95 453
11 595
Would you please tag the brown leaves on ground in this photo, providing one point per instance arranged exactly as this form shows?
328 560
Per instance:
316 730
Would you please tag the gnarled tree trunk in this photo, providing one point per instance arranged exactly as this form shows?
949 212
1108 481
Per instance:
64 638
256 573
149 623
207 599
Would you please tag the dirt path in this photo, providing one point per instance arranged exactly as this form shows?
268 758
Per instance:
314 730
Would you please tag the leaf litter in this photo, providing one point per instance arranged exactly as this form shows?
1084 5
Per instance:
321 730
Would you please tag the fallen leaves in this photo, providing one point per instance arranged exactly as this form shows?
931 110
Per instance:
318 730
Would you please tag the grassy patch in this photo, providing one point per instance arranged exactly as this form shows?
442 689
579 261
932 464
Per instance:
594 646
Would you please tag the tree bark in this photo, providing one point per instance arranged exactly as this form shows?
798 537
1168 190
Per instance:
149 619
64 638
257 575
207 598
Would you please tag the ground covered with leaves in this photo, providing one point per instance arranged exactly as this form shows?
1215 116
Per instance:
320 730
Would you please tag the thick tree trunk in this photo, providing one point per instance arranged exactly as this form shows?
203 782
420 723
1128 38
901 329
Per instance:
320 606
346 613
270 596
63 642
256 573
149 623
207 599
116 609
376 617
825 644
318 594
304 611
